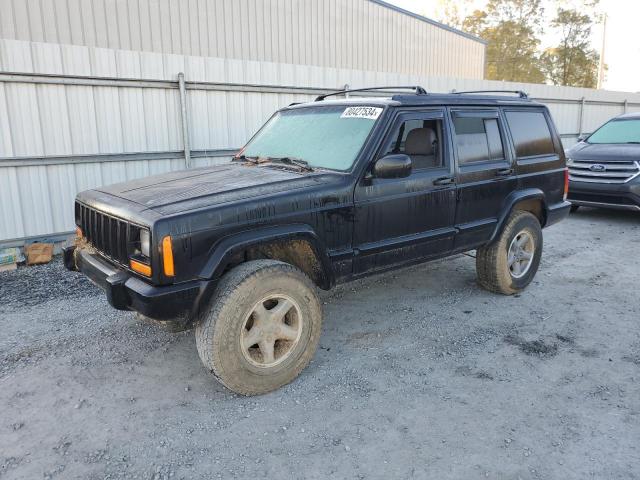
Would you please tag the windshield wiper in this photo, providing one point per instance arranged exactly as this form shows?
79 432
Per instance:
252 160
298 162
632 143
290 161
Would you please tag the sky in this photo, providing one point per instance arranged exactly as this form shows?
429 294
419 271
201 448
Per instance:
622 44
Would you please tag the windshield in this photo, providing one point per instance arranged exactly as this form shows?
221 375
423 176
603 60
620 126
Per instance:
617 131
325 137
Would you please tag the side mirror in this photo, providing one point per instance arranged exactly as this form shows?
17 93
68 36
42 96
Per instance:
582 138
396 165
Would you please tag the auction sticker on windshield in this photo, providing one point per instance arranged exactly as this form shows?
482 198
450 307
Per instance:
372 113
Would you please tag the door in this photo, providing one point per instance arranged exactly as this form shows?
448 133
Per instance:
402 220
484 173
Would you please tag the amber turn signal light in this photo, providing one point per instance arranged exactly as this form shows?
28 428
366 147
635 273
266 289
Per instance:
167 256
79 233
140 268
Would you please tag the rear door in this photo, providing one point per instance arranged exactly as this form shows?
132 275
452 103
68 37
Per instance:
484 173
538 151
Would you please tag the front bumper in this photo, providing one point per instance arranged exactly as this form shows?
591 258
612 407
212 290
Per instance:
127 292
620 196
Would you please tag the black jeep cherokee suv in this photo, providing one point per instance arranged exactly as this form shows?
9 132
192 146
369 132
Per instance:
325 192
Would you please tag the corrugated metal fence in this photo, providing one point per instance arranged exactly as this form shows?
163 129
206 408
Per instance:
73 118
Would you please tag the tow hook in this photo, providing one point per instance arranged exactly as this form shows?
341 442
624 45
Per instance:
68 256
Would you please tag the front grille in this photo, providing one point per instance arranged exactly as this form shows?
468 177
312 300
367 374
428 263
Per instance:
113 237
603 171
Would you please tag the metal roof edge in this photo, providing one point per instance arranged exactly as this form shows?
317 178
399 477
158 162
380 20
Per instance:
428 20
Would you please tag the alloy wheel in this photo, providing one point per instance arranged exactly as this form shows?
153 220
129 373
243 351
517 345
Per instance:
271 331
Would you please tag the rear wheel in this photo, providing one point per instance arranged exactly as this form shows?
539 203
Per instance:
510 262
262 328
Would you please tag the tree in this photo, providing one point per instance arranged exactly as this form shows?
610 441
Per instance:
453 12
511 29
573 62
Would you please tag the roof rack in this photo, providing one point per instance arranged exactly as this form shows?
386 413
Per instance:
520 93
417 88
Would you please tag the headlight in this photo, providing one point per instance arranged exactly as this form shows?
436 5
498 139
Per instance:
145 243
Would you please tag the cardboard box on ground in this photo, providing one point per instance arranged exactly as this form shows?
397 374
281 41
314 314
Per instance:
9 258
38 253
34 254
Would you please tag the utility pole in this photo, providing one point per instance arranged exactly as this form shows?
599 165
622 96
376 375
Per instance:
601 65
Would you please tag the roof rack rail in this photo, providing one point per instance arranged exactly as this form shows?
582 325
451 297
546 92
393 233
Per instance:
417 88
520 93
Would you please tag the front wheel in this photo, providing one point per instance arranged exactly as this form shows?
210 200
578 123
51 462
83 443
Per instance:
262 328
510 262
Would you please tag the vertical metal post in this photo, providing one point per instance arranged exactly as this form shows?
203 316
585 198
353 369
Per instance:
346 87
185 121
485 63
625 106
581 118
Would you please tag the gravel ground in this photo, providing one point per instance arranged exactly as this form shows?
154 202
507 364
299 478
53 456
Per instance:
420 374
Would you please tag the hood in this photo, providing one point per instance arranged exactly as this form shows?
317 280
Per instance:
604 152
176 192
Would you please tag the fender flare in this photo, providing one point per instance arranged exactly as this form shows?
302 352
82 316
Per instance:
223 250
512 199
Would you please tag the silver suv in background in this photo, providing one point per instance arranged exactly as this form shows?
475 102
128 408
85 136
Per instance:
604 168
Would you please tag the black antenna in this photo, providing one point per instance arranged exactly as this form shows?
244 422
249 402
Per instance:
520 93
416 88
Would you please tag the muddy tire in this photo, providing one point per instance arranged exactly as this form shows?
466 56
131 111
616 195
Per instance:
171 326
510 262
574 208
262 328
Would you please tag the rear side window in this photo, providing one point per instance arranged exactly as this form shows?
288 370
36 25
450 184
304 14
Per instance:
477 139
531 134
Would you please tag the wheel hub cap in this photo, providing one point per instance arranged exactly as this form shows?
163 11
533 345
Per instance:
520 254
271 331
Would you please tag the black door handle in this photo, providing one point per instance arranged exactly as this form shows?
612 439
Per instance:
504 172
443 181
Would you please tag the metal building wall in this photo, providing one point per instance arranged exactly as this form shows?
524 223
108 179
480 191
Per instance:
74 129
358 34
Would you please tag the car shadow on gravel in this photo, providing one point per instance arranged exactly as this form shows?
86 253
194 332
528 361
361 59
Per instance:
603 214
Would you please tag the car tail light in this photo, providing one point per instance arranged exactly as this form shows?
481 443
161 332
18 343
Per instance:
140 267
167 257
79 233
566 183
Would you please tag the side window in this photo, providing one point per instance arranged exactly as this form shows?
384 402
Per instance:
530 132
419 139
477 139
